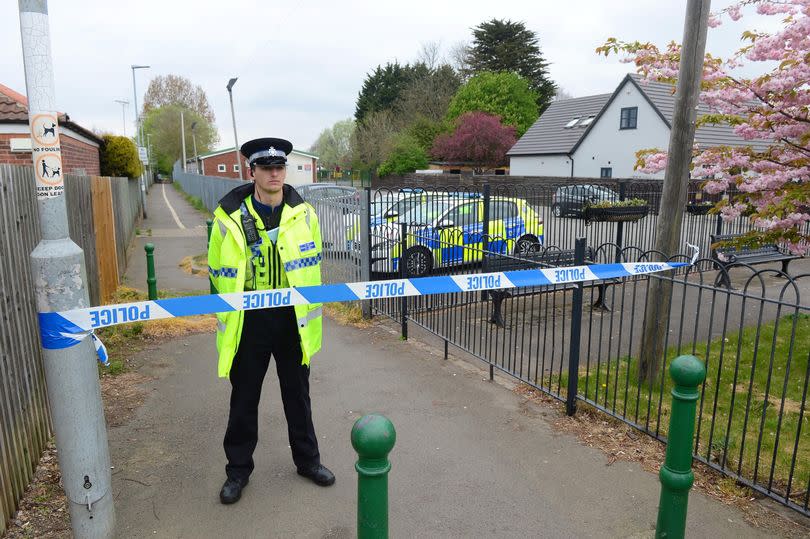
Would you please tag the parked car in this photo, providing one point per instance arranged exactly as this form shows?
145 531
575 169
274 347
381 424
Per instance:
571 199
332 204
327 191
448 231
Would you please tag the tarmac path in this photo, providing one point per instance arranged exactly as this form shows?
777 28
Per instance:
472 458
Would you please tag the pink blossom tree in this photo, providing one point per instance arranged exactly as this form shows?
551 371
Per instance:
772 177
479 139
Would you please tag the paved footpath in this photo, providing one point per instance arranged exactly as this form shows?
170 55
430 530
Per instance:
472 458
177 230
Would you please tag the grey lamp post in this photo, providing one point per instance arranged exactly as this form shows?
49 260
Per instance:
123 113
194 142
233 117
138 132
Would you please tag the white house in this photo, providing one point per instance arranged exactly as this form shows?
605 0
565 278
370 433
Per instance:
598 136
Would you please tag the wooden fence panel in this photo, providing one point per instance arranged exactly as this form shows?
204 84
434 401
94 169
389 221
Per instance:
127 204
104 220
80 223
24 419
102 213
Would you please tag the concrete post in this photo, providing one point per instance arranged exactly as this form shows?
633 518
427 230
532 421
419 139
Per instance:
59 274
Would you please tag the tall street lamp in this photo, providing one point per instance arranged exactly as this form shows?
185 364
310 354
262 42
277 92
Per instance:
194 141
233 117
139 134
123 113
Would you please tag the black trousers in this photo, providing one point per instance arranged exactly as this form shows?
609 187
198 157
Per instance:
267 332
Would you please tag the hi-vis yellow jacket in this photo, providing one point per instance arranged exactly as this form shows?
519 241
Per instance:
299 247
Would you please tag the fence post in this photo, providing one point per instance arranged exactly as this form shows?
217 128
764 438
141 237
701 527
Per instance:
209 223
365 246
620 224
373 437
576 332
485 229
676 474
151 281
403 272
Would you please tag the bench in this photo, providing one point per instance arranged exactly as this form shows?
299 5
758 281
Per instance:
533 260
732 256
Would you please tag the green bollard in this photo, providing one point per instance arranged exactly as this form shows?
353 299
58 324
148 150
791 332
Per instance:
676 474
373 437
210 223
151 281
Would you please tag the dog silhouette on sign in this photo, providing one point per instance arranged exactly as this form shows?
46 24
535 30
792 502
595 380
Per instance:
51 130
55 172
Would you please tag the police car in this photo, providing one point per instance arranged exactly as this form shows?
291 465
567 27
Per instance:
387 209
447 231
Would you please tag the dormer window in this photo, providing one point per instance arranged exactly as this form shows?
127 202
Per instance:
587 121
572 123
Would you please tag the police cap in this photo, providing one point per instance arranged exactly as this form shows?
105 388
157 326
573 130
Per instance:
267 151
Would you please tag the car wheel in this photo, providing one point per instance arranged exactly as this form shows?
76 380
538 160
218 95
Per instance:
418 261
556 210
526 245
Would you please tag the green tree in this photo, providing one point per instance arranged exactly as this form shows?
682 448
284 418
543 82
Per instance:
176 90
333 145
425 131
119 157
508 46
384 86
507 95
163 123
406 155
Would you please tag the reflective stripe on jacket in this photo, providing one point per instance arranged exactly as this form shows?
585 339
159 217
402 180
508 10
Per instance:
299 247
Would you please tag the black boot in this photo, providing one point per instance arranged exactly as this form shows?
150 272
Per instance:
232 490
319 474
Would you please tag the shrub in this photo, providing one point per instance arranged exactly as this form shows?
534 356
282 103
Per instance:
119 157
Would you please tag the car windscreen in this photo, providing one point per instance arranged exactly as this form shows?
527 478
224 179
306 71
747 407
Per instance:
426 212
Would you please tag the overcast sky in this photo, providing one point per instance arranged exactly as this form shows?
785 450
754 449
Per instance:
301 63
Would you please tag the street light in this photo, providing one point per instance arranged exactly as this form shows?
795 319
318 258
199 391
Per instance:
123 112
194 140
233 117
139 134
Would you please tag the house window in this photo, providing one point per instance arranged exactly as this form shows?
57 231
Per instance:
221 168
587 121
236 168
300 167
606 172
628 118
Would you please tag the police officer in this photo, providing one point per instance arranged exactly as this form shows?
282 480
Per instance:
266 237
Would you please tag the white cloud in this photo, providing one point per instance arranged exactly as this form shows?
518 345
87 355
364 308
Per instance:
301 64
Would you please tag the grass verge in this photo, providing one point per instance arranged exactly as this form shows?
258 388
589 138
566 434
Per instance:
196 202
753 410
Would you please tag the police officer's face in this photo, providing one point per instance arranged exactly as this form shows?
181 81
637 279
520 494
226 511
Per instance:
270 178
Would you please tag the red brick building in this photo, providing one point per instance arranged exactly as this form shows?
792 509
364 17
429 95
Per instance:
80 147
301 166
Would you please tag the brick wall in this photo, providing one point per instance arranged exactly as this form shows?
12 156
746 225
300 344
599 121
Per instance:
75 154
210 166
79 155
9 157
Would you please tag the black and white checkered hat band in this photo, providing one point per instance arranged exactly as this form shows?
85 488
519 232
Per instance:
272 152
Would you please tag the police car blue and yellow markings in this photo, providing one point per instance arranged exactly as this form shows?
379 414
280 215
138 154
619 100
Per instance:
463 244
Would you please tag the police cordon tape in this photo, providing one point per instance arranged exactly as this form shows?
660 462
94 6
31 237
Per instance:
67 328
